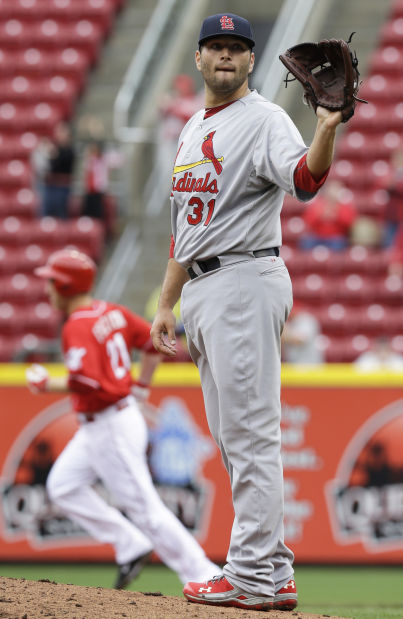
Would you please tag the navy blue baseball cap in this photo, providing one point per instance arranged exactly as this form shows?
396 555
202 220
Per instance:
226 23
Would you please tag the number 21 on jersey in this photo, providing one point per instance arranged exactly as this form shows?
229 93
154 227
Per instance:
118 355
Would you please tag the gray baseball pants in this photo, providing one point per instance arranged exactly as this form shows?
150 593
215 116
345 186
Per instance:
233 318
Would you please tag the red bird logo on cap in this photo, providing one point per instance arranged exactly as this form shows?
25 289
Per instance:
226 23
208 152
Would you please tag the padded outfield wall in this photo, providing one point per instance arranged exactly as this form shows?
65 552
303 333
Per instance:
342 434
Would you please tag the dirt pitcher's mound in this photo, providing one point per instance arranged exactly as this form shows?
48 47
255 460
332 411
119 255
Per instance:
27 599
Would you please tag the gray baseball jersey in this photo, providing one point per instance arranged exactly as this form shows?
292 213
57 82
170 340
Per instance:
229 182
230 175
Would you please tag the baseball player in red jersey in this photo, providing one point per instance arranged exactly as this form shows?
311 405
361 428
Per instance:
235 161
111 443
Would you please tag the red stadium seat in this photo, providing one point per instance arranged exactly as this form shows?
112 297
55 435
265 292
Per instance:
387 60
294 259
39 118
31 348
21 259
370 201
8 60
8 347
18 146
49 233
359 259
313 289
389 290
99 11
6 259
319 260
21 288
10 319
345 349
361 146
337 319
70 63
25 259
354 289
53 35
397 9
41 320
15 173
358 175
18 202
378 117
86 234
380 87
14 33
392 32
57 91
322 260
14 231
293 228
376 319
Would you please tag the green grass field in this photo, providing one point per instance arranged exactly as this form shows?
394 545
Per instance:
358 592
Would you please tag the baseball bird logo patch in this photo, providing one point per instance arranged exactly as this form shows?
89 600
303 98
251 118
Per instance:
199 184
226 23
366 498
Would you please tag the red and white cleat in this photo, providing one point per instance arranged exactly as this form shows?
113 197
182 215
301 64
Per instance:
219 592
287 597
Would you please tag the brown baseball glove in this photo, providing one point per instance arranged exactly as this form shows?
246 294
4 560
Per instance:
328 73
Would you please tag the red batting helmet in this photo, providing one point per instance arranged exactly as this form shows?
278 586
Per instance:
71 271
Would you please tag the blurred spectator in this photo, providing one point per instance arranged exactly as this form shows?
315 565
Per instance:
393 184
329 218
300 338
181 344
380 357
59 176
90 127
40 160
366 231
175 110
96 173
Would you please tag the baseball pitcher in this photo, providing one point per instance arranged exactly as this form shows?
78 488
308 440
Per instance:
236 159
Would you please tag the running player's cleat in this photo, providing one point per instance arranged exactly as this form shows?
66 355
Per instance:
287 597
129 571
219 592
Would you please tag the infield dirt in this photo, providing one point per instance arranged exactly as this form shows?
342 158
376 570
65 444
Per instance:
26 599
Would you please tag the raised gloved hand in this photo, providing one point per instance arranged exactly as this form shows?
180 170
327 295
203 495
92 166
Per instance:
37 378
328 73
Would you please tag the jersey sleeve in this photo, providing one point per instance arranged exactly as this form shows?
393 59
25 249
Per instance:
306 186
78 359
278 150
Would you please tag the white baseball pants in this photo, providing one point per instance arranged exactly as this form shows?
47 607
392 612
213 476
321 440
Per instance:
233 318
112 448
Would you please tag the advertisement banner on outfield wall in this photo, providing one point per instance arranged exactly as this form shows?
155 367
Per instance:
341 447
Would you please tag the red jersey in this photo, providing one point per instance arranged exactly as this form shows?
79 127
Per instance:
97 341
